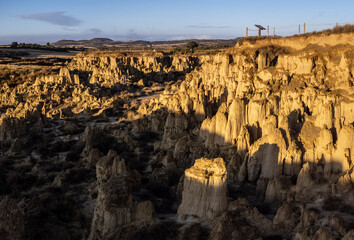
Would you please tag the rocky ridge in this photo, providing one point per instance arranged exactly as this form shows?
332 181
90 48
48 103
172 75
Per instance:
118 137
281 117
54 130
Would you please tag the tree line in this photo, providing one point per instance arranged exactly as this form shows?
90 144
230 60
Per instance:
48 46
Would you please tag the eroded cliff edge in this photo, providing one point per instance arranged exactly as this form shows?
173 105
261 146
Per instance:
117 132
280 116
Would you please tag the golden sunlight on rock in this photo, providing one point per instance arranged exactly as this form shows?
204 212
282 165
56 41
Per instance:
250 141
204 189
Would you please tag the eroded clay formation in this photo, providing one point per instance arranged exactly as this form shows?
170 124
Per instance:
253 142
204 189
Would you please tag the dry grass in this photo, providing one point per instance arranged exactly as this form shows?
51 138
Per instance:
15 74
34 53
251 40
348 28
21 65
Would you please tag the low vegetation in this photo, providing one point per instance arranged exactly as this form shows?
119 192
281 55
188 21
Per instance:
48 46
348 28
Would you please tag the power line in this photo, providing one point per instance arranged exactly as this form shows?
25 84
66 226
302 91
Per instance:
286 26
323 24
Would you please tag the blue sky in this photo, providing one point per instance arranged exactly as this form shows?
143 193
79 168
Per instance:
51 20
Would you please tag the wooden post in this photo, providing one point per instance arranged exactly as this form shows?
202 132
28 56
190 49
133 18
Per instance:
299 30
304 28
259 32
273 31
268 31
246 32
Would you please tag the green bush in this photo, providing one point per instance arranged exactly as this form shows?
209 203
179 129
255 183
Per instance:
14 45
191 45
175 50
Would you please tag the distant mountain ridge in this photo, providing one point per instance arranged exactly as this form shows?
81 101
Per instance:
94 41
102 42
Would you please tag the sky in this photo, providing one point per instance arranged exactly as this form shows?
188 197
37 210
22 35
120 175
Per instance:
39 21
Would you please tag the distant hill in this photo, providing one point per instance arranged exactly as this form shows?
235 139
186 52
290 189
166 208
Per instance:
106 42
95 42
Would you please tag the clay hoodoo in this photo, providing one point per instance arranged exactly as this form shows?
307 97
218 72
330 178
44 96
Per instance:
254 142
204 189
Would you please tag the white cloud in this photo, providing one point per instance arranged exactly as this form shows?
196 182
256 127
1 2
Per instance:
56 18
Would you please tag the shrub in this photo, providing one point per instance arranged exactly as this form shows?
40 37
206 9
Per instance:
191 45
14 45
175 50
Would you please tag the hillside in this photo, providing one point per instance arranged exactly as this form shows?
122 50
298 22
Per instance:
101 42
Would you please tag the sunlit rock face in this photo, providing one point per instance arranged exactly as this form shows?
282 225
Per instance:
110 69
111 134
205 189
278 103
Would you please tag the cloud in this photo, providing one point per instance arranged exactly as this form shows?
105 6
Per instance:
206 26
178 38
69 29
95 30
186 37
132 34
56 18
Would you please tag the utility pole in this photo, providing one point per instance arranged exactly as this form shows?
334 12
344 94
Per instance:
273 31
304 28
268 31
246 32
299 30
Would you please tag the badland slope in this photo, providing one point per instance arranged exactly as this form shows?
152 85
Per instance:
253 142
